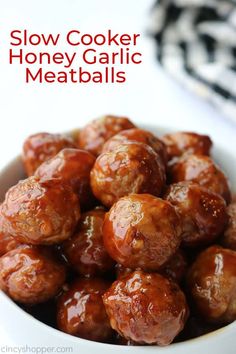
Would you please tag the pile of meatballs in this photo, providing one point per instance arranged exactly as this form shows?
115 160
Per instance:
130 237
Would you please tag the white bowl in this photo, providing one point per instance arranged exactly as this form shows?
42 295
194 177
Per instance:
24 330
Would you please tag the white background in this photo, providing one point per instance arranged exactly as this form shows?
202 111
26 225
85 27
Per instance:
148 96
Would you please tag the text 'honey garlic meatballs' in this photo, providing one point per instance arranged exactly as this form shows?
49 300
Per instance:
181 143
202 170
229 238
130 168
203 213
146 308
94 134
37 212
41 147
85 250
81 312
212 284
142 231
138 135
31 275
71 166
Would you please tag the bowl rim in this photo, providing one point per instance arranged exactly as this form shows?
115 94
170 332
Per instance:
220 332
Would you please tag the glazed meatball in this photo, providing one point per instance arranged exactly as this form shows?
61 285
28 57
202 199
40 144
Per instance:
138 135
229 237
85 251
143 231
129 168
37 212
72 166
212 284
31 275
181 143
146 308
81 311
202 170
41 147
203 213
94 134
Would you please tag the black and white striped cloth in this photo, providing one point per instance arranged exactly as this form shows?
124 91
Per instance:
196 42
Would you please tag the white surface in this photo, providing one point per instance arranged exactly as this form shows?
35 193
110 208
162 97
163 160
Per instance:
148 96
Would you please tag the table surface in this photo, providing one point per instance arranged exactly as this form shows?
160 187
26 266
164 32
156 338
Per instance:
148 96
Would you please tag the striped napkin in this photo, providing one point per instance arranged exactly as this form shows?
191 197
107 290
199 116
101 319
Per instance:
196 43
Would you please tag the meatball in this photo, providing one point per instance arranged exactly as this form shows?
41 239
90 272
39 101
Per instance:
37 212
143 231
138 135
129 168
94 134
181 143
203 213
81 311
146 308
72 166
41 147
202 170
229 237
85 250
212 284
31 275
